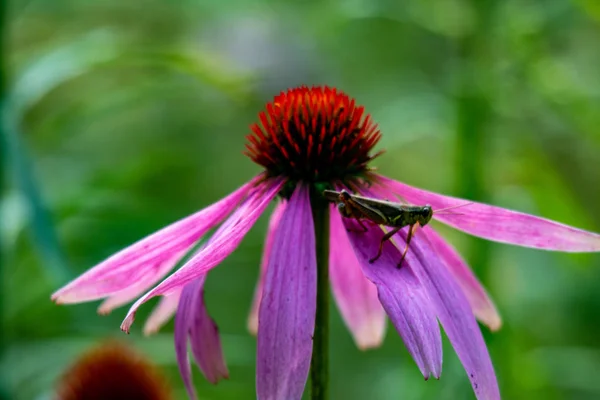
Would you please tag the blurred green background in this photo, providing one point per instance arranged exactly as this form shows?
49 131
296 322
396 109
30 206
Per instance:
123 116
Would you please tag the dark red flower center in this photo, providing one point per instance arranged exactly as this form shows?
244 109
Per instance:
112 371
317 135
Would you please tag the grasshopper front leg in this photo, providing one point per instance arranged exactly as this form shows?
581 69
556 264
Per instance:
411 231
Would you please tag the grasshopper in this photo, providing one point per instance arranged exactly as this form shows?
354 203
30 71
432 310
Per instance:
381 212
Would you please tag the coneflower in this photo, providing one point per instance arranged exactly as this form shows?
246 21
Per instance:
309 140
113 371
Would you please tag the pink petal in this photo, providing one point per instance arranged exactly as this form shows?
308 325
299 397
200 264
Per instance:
288 306
500 224
120 298
355 295
481 304
192 320
133 292
402 296
454 312
273 222
222 243
145 260
162 313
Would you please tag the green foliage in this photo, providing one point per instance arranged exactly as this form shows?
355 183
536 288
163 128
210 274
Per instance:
125 116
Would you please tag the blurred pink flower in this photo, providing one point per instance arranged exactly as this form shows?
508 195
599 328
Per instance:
308 140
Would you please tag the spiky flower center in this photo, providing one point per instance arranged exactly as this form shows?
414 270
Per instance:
313 134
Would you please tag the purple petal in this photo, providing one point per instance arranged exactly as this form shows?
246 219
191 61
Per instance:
182 320
204 337
162 313
222 243
481 304
288 306
402 296
150 258
273 222
454 312
500 224
192 320
355 295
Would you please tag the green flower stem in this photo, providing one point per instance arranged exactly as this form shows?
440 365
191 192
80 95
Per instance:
319 366
3 166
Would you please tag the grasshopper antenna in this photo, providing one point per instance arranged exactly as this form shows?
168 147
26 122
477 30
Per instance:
448 213
442 210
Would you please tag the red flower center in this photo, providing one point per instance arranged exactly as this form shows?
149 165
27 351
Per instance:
313 134
112 371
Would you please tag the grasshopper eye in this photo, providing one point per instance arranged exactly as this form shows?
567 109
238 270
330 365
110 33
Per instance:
426 215
428 211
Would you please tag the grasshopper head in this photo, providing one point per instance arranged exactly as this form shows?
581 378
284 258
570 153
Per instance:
425 215
344 195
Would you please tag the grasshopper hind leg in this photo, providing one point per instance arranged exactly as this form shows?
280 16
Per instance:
385 237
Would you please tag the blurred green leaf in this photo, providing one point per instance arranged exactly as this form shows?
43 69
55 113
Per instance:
132 116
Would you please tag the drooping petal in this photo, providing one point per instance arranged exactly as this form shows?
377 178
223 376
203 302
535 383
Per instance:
205 340
454 312
118 299
182 320
163 311
192 321
354 294
402 295
146 258
500 224
483 307
131 293
288 306
481 304
222 243
273 222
